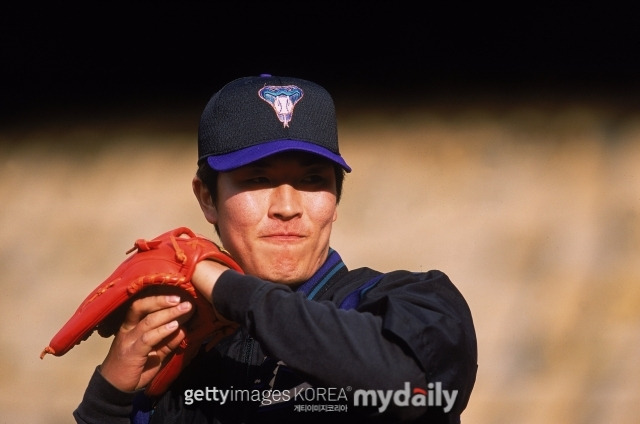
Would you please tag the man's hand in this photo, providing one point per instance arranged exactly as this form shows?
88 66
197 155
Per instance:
150 350
150 331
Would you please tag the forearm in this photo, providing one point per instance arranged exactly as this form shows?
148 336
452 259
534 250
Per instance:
336 347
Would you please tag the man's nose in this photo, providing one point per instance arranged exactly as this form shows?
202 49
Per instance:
286 202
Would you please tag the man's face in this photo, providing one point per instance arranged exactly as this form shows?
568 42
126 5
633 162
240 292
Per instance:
275 215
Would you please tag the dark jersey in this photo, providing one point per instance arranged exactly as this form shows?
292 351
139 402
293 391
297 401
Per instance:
346 346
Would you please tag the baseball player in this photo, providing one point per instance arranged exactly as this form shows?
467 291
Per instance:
309 340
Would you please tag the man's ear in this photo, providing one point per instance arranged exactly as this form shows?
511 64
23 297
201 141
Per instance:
203 195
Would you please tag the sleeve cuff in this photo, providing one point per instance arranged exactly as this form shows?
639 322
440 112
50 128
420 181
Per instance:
233 294
103 401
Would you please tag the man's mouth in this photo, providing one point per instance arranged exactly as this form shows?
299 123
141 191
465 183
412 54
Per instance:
283 237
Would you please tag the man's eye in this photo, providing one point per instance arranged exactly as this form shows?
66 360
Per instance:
313 179
258 180
253 181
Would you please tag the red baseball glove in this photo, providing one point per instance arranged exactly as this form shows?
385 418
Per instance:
164 264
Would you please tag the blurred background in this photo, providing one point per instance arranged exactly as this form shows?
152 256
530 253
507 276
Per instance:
500 146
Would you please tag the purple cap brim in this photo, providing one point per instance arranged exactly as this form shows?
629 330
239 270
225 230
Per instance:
233 160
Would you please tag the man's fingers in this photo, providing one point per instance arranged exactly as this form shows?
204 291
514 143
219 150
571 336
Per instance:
169 344
158 325
150 339
146 305
146 310
136 354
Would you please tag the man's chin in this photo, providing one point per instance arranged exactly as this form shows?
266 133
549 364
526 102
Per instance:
289 266
290 274
290 278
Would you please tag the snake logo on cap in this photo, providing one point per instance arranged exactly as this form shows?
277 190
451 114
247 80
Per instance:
282 99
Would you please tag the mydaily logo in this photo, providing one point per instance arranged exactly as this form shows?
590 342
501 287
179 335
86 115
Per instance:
433 396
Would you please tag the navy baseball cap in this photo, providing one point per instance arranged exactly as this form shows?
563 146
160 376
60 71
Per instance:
251 118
